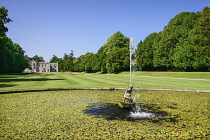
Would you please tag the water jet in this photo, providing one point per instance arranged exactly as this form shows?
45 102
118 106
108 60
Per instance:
128 102
136 111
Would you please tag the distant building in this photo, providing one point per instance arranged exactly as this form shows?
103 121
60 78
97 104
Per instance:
42 67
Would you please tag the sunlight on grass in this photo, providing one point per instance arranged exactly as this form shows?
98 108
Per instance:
165 80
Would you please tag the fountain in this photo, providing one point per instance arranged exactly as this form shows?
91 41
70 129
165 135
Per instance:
127 109
129 103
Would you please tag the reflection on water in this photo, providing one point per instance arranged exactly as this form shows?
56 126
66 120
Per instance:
111 111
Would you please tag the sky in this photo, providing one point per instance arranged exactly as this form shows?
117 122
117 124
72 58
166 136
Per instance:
54 27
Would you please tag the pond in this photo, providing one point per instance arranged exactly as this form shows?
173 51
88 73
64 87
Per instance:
94 114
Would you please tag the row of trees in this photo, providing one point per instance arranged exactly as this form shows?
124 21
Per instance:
112 57
66 63
183 45
12 57
36 58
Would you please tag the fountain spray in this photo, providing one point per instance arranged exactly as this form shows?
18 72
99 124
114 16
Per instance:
128 102
131 48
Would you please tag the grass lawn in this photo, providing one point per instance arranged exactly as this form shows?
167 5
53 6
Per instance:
165 80
94 114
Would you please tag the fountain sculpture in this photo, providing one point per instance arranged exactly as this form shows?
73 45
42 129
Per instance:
128 102
130 110
136 111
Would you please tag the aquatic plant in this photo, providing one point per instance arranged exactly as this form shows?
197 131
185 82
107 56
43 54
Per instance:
62 115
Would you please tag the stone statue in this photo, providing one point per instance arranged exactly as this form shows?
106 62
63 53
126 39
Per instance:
127 95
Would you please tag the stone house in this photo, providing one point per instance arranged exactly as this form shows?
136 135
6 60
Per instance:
42 67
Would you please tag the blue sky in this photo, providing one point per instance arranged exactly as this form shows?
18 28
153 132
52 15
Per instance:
54 27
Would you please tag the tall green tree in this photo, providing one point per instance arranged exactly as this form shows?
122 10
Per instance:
174 34
116 41
3 20
192 48
68 61
118 60
37 58
199 41
101 60
6 58
183 45
12 57
145 51
54 59
113 44
20 61
85 63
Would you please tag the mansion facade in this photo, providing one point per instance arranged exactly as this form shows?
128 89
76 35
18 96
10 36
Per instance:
42 67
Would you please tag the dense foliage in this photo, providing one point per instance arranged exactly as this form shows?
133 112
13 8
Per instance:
64 64
112 57
183 45
12 57
36 58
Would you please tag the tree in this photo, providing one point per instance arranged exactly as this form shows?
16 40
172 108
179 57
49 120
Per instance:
192 53
85 63
3 20
12 57
116 41
199 39
20 61
101 60
145 51
118 60
183 45
37 58
68 61
113 56
54 59
113 43
6 46
173 35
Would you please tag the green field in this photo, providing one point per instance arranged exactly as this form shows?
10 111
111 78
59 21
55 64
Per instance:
93 114
162 80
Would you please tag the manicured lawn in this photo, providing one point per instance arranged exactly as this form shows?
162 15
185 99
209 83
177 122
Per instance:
165 80
93 114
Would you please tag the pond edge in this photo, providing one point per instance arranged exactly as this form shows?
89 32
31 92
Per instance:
140 89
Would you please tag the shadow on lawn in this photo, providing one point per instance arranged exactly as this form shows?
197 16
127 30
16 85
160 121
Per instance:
29 79
7 85
14 77
5 79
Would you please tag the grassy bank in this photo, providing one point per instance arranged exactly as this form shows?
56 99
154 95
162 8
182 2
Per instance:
94 115
165 80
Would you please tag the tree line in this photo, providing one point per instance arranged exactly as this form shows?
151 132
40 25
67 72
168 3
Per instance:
183 45
112 57
12 58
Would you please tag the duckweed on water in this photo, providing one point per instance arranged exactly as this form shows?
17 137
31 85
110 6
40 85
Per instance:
63 115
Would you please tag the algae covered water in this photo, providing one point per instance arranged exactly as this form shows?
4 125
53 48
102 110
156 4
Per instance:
67 115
